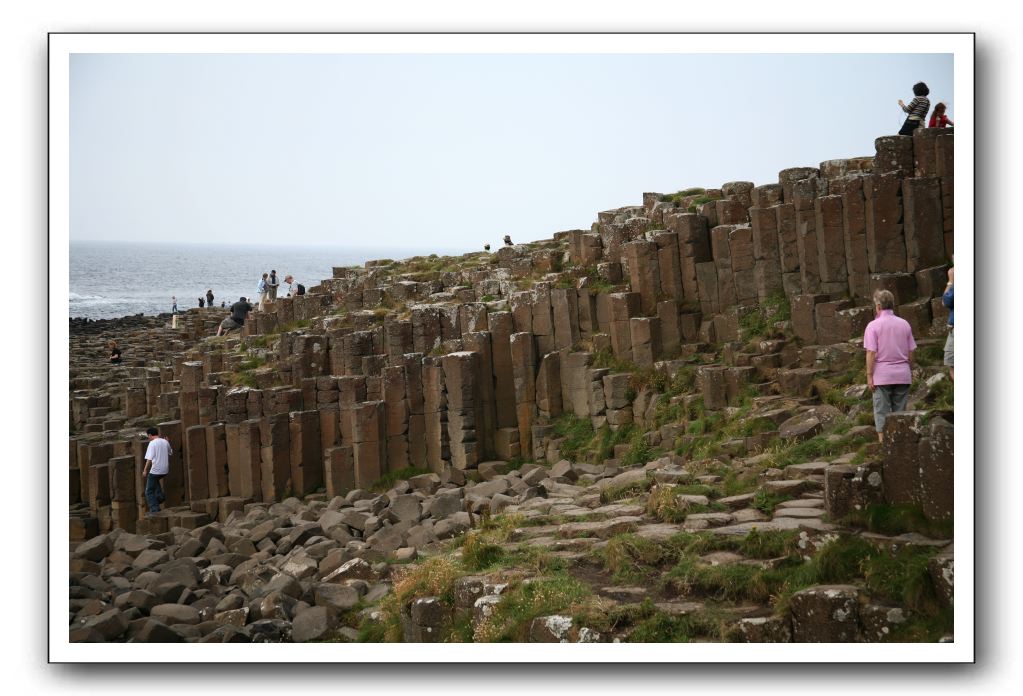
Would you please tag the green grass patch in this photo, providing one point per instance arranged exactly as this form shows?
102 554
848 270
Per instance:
478 555
513 615
767 502
893 520
903 577
925 628
930 355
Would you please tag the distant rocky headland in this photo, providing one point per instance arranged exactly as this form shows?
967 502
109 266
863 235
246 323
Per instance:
656 429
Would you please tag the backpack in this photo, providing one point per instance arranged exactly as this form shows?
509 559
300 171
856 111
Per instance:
300 290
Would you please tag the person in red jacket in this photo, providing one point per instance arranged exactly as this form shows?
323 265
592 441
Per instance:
938 118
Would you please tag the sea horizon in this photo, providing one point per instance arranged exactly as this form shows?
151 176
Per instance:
111 279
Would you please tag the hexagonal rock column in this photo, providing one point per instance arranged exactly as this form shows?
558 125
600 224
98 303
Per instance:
275 455
369 442
886 242
306 452
826 614
644 275
460 380
244 479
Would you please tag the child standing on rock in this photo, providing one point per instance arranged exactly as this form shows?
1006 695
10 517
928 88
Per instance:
938 118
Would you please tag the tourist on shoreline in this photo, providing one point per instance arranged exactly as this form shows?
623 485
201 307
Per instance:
202 303
209 298
947 300
272 284
938 118
262 290
115 353
174 304
889 343
507 240
917 109
157 465
239 313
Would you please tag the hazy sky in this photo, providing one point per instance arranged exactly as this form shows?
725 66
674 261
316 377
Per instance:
452 150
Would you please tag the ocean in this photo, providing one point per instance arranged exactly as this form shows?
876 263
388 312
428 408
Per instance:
116 279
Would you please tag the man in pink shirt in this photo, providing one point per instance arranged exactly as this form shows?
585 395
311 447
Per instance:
889 343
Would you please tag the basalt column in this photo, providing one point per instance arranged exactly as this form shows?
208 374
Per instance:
460 382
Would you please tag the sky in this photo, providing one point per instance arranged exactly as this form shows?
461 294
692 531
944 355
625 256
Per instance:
456 150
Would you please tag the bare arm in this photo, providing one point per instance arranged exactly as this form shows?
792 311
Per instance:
871 358
145 469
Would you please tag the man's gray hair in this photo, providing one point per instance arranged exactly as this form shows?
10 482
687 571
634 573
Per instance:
884 299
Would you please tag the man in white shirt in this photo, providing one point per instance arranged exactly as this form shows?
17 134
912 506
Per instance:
292 287
157 465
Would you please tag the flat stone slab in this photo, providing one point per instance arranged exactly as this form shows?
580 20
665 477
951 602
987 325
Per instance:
800 512
908 539
806 469
692 499
749 515
737 502
802 503
546 530
713 519
555 544
616 510
672 475
625 594
679 608
777 525
786 486
659 532
603 529
716 558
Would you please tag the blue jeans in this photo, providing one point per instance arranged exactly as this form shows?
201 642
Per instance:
154 492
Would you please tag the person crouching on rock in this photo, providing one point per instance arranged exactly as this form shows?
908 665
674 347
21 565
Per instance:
115 353
239 313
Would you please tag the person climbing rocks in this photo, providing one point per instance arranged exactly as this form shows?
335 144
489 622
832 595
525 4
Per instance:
507 240
115 353
889 343
486 247
202 303
947 300
917 109
209 298
239 313
157 466
938 118
272 284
